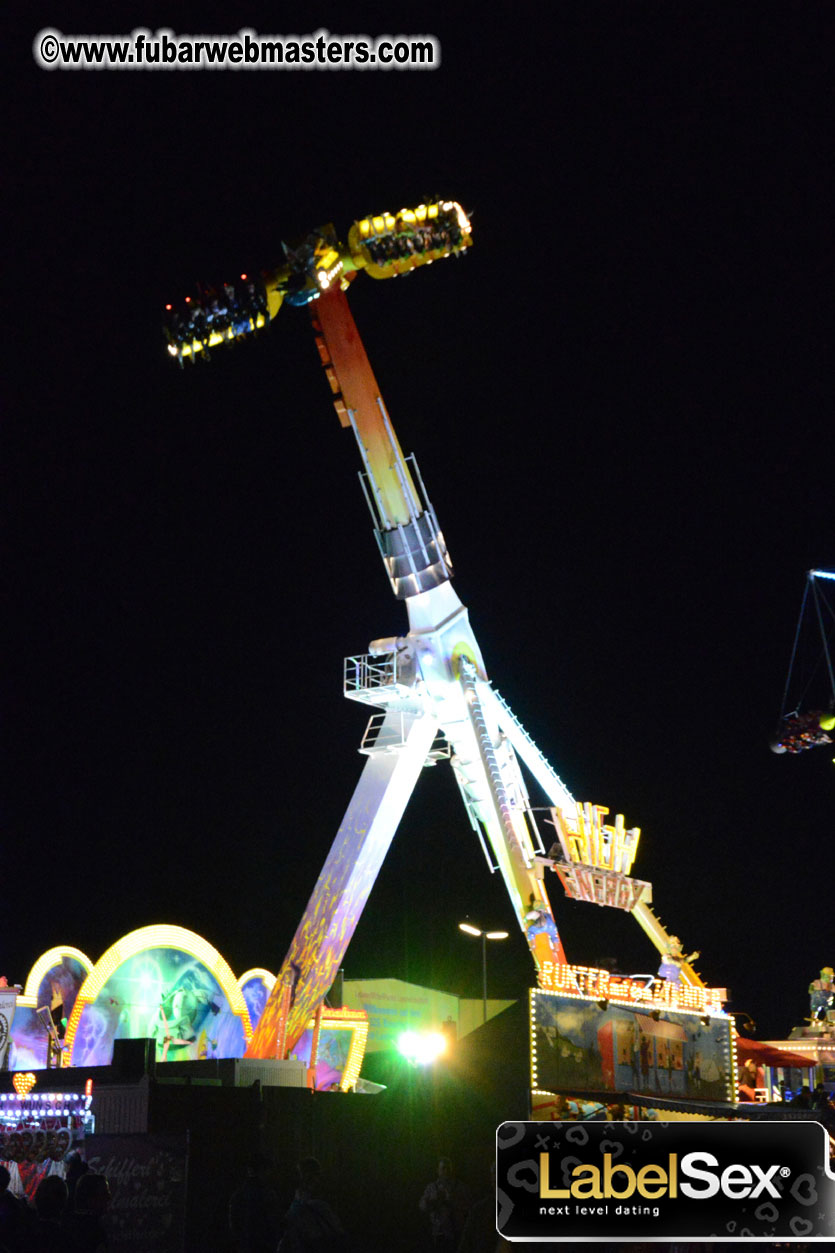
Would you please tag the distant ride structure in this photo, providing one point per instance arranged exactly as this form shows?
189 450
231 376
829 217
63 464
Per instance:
807 712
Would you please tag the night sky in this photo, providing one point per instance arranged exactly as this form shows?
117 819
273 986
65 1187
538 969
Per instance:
620 402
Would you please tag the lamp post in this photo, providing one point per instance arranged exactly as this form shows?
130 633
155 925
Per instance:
469 929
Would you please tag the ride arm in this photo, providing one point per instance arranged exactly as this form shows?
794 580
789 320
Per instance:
559 796
503 812
647 920
408 536
384 245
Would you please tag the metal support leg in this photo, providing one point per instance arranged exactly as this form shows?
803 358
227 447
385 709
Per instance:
347 877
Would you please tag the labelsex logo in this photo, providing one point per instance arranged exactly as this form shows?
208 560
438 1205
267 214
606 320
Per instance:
696 1176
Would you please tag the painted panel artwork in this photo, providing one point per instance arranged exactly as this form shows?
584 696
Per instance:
332 1055
28 1040
256 991
580 1047
167 995
59 986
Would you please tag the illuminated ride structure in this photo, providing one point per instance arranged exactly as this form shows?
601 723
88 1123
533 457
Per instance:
808 709
428 687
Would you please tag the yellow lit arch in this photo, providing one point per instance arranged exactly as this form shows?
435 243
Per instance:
162 935
52 957
257 972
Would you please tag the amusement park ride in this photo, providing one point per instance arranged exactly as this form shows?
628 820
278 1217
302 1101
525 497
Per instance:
654 1038
429 686
808 709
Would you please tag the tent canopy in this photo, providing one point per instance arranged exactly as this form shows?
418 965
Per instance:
768 1055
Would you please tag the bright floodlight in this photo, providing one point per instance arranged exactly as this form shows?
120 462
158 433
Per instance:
422 1047
496 935
470 930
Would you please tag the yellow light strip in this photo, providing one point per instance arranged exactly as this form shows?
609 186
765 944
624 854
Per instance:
355 1055
215 338
26 1002
532 1034
386 223
257 972
733 1080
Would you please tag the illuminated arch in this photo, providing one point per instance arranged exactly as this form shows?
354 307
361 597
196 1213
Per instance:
157 937
257 972
48 960
256 986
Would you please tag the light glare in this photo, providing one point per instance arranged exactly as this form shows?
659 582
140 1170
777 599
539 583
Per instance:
422 1047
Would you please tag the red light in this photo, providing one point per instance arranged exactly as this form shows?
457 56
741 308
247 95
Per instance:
88 1088
168 307
188 300
243 278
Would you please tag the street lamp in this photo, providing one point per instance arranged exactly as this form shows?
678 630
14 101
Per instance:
469 929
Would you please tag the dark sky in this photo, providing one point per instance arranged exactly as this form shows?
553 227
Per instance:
621 407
